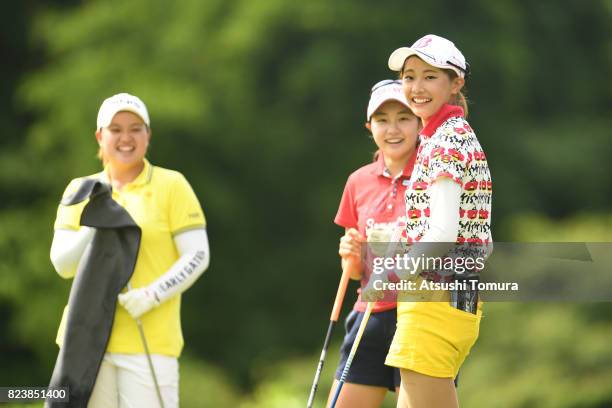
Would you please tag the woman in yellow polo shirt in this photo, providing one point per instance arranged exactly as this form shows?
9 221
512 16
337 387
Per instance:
173 253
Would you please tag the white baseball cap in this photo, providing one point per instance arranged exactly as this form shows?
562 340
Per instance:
118 103
434 50
383 91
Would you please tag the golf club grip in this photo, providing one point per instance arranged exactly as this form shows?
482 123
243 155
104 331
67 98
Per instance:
315 383
341 291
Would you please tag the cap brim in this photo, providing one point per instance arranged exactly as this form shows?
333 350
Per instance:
126 108
372 109
398 57
135 111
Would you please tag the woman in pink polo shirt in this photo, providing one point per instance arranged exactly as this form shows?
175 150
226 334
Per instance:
448 205
373 209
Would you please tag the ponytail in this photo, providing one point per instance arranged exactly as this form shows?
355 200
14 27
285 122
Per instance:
461 101
458 99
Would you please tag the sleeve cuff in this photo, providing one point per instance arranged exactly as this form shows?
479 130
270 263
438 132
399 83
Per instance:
344 223
188 228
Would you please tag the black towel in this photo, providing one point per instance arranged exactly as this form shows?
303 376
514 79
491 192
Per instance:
103 272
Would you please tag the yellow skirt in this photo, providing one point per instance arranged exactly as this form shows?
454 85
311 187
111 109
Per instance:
433 338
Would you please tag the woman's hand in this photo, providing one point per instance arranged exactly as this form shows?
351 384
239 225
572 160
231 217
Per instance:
373 291
350 252
138 301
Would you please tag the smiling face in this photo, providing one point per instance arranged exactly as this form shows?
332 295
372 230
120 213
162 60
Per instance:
124 142
427 88
395 130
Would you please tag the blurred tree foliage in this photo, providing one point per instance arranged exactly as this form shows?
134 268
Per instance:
261 105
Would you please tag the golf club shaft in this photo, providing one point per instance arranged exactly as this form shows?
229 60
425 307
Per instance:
146 348
315 383
148 354
332 322
349 360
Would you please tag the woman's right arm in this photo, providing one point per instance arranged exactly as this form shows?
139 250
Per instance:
67 248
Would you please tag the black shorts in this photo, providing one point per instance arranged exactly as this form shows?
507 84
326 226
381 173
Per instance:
368 366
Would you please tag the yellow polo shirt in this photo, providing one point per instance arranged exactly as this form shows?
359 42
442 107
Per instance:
163 204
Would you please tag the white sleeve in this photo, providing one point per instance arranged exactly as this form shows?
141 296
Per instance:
68 247
194 258
445 198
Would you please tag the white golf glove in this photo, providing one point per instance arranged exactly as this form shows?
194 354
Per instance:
138 301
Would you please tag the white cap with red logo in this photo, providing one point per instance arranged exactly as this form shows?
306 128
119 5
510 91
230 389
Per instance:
434 50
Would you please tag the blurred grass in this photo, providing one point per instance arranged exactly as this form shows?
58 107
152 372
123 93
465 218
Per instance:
540 228
202 384
287 384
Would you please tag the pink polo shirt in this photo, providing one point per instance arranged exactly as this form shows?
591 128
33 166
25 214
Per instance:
374 202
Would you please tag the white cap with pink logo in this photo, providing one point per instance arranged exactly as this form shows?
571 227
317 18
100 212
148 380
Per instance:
383 91
434 50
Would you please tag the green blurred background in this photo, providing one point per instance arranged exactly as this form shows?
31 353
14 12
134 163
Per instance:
261 105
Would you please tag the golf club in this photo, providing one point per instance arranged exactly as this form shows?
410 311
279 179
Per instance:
332 321
146 349
349 360
392 246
